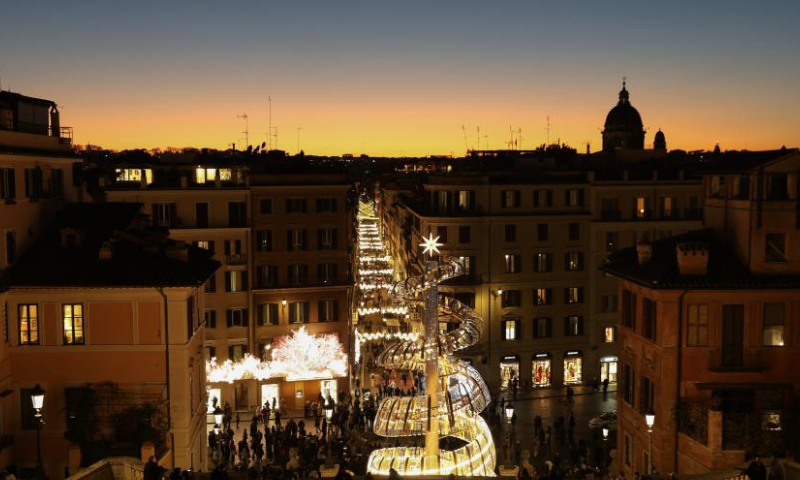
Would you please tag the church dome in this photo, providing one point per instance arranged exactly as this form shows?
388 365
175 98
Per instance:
623 115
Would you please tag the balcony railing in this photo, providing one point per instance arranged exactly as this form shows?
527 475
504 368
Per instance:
720 360
237 259
610 214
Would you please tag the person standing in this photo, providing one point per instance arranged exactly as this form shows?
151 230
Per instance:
152 470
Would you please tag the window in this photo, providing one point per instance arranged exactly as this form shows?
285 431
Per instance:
511 298
542 327
668 209
468 263
326 238
573 262
72 314
298 312
264 240
268 314
33 183
11 246
236 281
777 186
8 184
267 276
28 315
211 352
511 233
443 200
28 418
646 395
265 206
206 244
57 182
697 334
629 309
574 198
465 200
541 232
441 232
612 241
649 319
328 311
191 318
574 231
327 273
573 295
609 335
326 205
236 352
298 275
628 384
211 284
236 317
204 175
467 298
210 318
542 296
164 214
237 214
609 303
775 248
642 207
509 198
542 198
296 205
296 240
542 262
628 455
233 249
513 263
573 326
464 232
201 214
511 328
774 319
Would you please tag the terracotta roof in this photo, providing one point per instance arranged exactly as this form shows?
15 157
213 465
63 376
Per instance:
68 253
725 271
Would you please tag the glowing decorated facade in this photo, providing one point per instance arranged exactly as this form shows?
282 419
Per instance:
454 394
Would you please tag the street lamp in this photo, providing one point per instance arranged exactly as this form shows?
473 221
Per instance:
509 411
37 400
508 446
218 415
650 418
329 416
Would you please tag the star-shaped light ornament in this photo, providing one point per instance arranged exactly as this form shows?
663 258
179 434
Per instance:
431 245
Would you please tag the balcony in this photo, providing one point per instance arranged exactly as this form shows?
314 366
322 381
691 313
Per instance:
237 259
722 361
610 214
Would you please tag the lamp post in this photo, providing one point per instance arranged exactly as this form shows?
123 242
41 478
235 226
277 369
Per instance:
509 416
650 418
605 449
329 416
37 400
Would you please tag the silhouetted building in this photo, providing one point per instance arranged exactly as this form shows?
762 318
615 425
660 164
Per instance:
660 141
623 128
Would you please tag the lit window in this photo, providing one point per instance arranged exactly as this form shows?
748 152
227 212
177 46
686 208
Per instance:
298 312
573 326
205 175
542 262
203 244
225 174
73 323
512 263
573 295
541 296
28 324
574 198
573 261
328 310
510 327
609 335
642 207
268 314
773 324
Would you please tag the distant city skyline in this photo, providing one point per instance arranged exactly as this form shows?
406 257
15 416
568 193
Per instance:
401 79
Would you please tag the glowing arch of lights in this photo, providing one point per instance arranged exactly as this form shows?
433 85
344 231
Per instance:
298 356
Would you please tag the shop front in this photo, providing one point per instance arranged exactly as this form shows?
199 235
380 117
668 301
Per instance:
608 369
541 373
573 367
509 369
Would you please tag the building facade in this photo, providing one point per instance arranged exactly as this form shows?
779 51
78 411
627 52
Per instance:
708 327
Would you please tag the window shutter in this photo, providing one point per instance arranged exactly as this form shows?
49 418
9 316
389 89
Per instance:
580 325
335 237
288 240
28 189
156 223
305 312
549 324
566 197
228 281
580 261
211 246
319 205
549 198
304 236
230 352
536 198
566 262
580 294
229 318
173 215
227 247
548 257
518 328
335 311
244 280
321 311
245 318
580 198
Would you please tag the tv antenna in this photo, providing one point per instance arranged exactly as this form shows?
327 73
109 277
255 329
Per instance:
548 131
298 139
246 130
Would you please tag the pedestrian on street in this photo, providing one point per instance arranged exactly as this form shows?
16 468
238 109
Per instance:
605 386
152 471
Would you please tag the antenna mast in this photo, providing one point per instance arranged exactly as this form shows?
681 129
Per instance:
548 131
269 134
246 130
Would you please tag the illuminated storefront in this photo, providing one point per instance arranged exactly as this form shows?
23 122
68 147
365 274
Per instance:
573 367
541 374
509 368
270 393
328 389
608 369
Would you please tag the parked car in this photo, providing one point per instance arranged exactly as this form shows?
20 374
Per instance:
606 420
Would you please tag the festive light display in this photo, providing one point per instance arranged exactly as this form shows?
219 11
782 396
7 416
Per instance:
298 356
462 392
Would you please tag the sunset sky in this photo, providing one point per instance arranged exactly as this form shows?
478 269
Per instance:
401 78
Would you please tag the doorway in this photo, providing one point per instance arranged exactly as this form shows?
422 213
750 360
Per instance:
732 335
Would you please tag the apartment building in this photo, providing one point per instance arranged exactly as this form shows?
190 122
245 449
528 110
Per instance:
533 232
283 240
103 313
708 326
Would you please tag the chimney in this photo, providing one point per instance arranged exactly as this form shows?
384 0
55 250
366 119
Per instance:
644 252
692 258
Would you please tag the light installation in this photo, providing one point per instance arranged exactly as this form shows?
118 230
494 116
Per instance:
454 393
298 356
